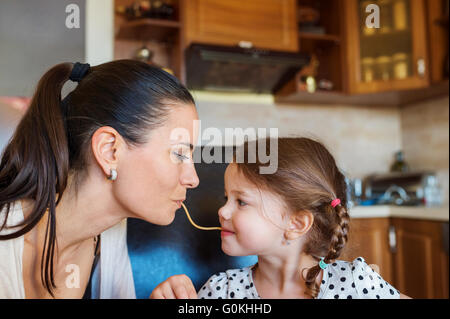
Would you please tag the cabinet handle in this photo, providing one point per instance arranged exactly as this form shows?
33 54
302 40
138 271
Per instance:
421 67
392 239
445 237
245 44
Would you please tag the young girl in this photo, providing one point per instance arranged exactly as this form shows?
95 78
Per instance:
296 221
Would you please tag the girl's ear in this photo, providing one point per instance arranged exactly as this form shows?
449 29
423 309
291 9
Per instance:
299 224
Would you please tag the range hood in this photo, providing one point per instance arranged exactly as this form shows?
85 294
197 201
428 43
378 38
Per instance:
236 69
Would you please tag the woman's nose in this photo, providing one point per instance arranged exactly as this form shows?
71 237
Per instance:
189 177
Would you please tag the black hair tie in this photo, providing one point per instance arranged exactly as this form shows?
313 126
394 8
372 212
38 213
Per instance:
79 70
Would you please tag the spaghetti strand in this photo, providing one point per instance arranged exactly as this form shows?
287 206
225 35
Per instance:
195 225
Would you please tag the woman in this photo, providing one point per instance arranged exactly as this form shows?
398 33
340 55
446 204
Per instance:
78 168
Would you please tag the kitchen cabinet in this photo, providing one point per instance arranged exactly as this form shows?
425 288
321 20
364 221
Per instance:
401 62
369 238
420 261
391 57
410 254
437 27
266 24
161 37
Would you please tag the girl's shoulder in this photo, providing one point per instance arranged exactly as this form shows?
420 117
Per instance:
232 283
356 279
369 282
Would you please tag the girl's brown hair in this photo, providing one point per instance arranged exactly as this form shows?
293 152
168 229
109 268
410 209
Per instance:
307 179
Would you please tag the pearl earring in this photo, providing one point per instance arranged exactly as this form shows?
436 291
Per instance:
113 175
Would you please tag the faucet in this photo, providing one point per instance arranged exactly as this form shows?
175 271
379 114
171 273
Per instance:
387 196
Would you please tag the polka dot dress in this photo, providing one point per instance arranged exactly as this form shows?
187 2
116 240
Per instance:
341 280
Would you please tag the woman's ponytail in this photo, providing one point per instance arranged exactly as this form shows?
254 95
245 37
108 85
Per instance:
35 164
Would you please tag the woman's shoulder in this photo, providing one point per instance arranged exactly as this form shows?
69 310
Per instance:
11 250
14 217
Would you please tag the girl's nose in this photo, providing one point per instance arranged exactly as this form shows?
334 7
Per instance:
189 178
225 212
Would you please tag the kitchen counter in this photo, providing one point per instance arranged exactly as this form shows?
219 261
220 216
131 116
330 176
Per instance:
412 212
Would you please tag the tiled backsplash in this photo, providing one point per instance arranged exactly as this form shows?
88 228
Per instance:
425 138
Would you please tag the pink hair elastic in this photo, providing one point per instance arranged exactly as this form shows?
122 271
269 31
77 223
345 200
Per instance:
335 202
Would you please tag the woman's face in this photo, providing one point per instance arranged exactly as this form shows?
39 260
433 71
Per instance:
153 178
251 219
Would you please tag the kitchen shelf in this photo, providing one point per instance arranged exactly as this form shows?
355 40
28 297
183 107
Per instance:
392 98
319 37
391 34
164 37
149 29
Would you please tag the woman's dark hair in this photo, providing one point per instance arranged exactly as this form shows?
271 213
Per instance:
52 139
307 180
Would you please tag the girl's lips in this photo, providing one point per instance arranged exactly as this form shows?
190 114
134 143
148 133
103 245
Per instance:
225 233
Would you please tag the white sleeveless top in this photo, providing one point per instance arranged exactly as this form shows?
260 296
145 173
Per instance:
111 278
11 252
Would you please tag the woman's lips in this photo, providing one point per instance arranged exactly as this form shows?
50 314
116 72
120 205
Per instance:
178 202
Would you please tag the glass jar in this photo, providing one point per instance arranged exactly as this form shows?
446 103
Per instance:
400 15
432 192
385 16
368 69
400 65
384 67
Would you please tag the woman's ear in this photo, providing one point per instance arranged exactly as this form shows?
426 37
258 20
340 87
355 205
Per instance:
299 224
105 143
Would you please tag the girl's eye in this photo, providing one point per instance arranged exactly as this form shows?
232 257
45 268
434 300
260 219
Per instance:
241 203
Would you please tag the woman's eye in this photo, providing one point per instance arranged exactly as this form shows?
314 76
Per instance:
181 157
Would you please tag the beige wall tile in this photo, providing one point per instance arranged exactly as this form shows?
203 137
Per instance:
425 138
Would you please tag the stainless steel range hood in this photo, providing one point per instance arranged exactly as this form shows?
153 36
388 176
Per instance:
222 68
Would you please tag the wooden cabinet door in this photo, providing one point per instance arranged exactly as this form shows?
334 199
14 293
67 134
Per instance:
369 238
421 264
389 58
267 24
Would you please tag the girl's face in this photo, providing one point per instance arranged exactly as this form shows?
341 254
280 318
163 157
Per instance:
251 218
153 178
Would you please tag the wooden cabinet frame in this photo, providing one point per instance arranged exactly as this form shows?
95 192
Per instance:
352 49
211 22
